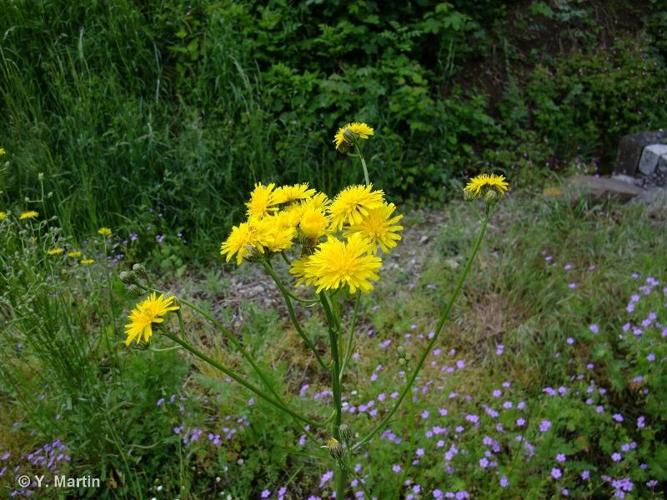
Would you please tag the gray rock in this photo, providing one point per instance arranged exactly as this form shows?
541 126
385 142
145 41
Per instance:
630 149
627 179
650 158
597 187
662 164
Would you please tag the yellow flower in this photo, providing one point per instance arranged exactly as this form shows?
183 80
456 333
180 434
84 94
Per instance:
87 262
75 254
336 264
3 152
275 232
487 185
55 251
3 215
298 270
347 135
241 241
313 223
287 194
104 231
147 312
261 200
379 227
352 204
29 214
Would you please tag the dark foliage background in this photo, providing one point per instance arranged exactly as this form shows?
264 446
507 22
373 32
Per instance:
158 117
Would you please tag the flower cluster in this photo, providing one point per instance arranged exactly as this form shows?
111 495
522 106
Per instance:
339 239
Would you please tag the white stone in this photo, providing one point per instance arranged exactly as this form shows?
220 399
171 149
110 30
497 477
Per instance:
650 158
662 163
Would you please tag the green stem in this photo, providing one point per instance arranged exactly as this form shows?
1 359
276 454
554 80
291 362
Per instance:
340 470
292 314
350 336
232 340
341 480
335 368
441 323
363 164
240 380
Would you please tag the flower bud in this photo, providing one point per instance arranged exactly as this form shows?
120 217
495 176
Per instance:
127 277
140 271
335 448
346 433
135 290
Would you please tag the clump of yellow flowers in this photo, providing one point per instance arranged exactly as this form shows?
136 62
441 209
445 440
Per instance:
337 241
329 244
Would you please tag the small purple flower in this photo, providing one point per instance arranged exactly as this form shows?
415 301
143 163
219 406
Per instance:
570 341
650 357
585 475
520 422
504 482
483 462
572 286
545 425
496 393
266 493
641 422
617 417
595 329
500 349
616 457
396 468
326 477
159 238
561 457
556 473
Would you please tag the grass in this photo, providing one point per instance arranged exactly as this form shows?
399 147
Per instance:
158 424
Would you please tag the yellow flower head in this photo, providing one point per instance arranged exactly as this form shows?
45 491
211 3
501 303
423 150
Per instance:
147 312
353 203
29 214
287 194
489 186
240 242
274 232
55 251
261 200
314 223
379 227
3 215
336 264
104 231
75 254
350 133
87 262
298 270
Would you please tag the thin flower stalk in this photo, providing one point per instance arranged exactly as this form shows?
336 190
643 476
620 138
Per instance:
233 375
438 330
292 314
